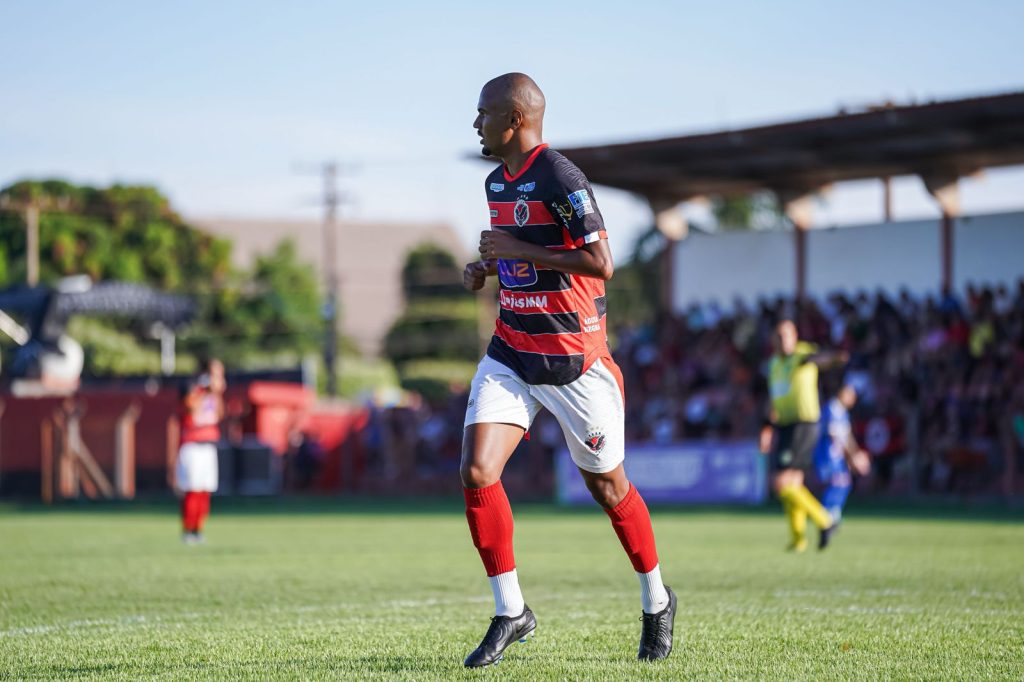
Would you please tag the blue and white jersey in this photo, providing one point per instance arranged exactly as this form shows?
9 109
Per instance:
836 431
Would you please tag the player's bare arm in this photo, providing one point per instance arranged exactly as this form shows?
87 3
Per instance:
590 260
829 359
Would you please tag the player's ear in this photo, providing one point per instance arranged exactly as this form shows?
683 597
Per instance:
515 119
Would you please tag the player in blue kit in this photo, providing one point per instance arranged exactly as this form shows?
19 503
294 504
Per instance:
837 451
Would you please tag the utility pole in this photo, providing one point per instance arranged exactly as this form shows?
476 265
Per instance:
332 201
330 265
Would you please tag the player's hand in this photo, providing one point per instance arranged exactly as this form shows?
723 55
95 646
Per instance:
498 244
861 462
765 441
475 275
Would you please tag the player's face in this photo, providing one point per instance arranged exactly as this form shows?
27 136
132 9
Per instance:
848 396
786 338
492 125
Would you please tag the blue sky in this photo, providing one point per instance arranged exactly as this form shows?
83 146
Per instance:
217 103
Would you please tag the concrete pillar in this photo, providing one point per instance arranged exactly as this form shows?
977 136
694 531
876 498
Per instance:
798 208
945 189
887 198
671 223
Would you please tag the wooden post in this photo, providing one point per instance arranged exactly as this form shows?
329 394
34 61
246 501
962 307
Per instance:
67 472
124 452
173 431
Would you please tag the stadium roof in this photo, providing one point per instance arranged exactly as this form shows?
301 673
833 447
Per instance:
956 137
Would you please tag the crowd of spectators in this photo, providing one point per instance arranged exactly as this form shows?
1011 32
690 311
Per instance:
940 380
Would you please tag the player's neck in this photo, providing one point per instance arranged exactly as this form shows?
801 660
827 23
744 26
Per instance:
516 158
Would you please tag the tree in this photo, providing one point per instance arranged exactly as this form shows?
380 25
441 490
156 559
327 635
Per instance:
269 315
756 211
436 339
127 233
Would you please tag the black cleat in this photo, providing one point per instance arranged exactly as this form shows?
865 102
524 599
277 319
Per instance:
825 536
656 638
503 631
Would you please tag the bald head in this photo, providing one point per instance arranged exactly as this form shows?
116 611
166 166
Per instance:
518 91
510 114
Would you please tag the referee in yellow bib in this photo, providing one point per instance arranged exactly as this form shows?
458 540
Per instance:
791 432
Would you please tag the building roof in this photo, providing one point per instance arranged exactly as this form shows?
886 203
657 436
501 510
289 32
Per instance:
956 137
370 256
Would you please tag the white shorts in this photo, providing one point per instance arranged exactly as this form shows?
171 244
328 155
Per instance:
590 410
196 470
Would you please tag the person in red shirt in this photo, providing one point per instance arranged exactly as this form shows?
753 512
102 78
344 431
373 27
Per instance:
548 248
202 408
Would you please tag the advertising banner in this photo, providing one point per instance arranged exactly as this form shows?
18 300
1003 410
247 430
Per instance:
697 472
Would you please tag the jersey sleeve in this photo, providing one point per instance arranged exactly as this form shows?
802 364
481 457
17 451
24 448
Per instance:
572 201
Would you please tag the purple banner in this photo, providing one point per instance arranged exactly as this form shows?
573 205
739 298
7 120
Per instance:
696 472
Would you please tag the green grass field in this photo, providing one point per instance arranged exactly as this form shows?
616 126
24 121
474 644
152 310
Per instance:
343 591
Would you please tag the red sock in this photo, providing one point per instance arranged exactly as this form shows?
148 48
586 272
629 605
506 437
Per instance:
632 523
490 523
203 511
190 512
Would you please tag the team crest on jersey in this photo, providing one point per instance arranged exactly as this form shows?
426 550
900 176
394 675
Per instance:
521 212
527 187
497 187
581 203
595 440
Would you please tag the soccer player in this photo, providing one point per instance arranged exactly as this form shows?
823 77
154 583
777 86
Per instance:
548 247
793 421
202 408
837 452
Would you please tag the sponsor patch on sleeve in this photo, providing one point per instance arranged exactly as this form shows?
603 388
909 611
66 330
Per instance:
581 203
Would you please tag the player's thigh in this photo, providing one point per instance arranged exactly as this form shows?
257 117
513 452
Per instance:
499 411
591 413
486 448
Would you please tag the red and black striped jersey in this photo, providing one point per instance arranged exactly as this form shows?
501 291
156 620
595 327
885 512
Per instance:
551 325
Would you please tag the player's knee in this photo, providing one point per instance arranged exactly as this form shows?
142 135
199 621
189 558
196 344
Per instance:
477 475
605 492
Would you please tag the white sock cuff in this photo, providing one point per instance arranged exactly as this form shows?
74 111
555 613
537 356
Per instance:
508 597
653 597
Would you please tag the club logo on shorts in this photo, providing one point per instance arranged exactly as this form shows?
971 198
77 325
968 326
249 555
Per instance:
521 213
595 440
